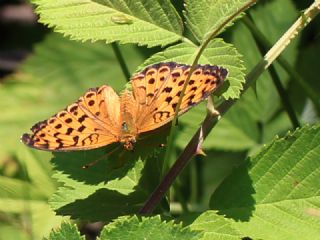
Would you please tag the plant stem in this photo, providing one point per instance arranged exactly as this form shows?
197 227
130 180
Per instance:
276 80
121 61
285 65
211 120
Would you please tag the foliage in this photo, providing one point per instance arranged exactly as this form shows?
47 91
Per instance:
143 22
258 179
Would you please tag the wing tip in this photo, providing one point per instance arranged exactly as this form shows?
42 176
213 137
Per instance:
26 139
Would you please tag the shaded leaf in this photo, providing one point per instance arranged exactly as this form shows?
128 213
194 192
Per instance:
103 191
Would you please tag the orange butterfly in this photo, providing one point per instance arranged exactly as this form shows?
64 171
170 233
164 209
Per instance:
102 117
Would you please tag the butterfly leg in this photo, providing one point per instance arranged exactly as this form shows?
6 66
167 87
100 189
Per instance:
98 160
121 159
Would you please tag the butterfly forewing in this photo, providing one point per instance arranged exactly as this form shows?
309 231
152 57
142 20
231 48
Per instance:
91 122
167 88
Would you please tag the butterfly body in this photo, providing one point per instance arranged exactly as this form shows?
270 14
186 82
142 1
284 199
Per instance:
128 135
102 117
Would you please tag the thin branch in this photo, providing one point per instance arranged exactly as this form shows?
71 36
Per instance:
210 121
276 81
305 87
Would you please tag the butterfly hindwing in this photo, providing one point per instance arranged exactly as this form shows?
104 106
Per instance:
91 122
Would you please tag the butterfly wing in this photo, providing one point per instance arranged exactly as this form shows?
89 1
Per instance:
157 90
91 122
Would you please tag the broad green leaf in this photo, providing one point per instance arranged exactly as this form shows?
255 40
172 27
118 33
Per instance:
276 194
206 16
215 226
67 231
102 191
217 53
144 22
132 228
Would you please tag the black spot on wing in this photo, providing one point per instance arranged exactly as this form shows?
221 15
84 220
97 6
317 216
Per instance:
160 116
68 120
69 131
89 95
167 89
168 99
82 118
181 83
91 103
151 81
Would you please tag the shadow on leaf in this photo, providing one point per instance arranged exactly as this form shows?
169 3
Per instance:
234 197
114 186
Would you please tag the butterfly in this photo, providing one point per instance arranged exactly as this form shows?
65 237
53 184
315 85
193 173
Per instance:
102 117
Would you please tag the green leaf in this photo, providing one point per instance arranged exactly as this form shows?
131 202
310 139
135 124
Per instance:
275 195
132 228
204 17
215 226
145 22
67 231
109 181
217 53
116 185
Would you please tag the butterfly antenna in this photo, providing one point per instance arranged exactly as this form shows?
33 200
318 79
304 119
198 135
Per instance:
96 161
